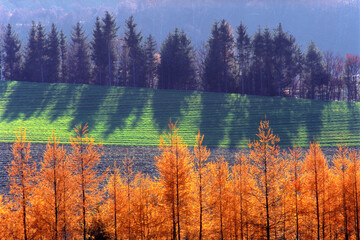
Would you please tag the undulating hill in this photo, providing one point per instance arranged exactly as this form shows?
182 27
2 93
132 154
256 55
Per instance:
137 117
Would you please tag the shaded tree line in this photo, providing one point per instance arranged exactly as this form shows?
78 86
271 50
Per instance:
269 63
268 194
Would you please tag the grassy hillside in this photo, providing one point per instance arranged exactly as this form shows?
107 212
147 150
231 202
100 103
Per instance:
131 116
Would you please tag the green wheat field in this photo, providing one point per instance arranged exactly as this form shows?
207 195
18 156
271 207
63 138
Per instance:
137 117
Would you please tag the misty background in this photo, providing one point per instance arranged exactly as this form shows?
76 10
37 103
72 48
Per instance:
332 24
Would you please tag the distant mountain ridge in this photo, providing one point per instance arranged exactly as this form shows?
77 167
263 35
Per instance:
333 25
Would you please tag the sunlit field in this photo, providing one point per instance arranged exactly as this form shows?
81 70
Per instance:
136 116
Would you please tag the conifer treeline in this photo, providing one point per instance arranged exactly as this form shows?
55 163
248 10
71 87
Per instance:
268 194
268 63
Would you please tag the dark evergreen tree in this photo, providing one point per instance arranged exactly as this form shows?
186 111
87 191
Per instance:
79 62
199 65
176 70
243 46
351 71
52 64
122 74
135 68
297 81
257 67
63 56
284 60
103 49
212 72
98 53
150 62
314 70
11 55
219 62
30 71
41 52
110 32
267 85
1 57
262 64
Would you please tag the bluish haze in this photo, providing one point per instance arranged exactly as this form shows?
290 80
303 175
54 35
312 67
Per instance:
332 24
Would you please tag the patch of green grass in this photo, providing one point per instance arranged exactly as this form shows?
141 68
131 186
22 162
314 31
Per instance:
134 116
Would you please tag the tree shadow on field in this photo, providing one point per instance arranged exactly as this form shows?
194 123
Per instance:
215 109
313 110
127 101
239 124
25 100
354 122
3 88
65 98
286 117
295 121
168 104
86 108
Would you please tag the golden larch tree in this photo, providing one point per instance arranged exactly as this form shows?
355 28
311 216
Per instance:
342 186
266 170
174 166
115 204
296 188
145 207
242 183
21 172
48 195
128 175
85 157
355 191
316 167
219 199
201 154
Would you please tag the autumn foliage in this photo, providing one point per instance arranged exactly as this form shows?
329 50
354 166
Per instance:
268 194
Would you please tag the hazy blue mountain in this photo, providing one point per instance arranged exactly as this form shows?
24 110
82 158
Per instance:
331 24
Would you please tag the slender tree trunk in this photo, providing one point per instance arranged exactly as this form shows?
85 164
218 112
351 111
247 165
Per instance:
221 214
55 199
266 197
83 192
357 224
24 214
323 204
83 205
64 203
296 205
242 80
115 199
100 76
177 194
109 63
200 196
23 195
253 85
317 203
134 77
240 190
284 217
174 236
261 83
42 73
346 233
129 205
